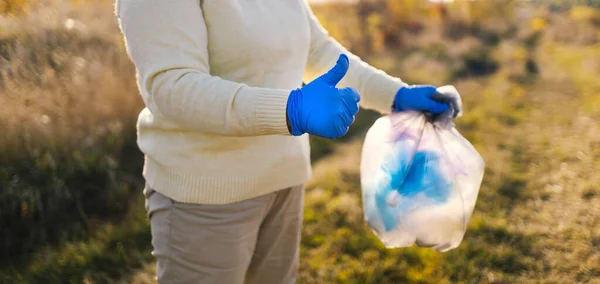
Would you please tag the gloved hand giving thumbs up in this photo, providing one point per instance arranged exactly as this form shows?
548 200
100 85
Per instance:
320 108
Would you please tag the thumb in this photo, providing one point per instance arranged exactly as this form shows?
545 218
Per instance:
335 74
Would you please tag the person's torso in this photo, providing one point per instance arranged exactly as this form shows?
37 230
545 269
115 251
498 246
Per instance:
262 43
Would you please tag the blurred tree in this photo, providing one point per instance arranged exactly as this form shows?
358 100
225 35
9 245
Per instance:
407 14
13 7
365 8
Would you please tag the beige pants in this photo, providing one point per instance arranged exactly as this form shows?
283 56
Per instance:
252 241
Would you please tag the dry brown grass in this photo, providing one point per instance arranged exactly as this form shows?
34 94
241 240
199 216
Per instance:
68 106
63 82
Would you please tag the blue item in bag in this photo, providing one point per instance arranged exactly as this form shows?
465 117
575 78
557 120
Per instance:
422 178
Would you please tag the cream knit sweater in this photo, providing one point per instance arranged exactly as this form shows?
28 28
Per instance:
215 76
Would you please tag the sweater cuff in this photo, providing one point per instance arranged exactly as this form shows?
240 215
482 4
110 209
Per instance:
384 94
270 111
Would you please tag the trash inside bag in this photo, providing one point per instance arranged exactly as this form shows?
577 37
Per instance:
420 180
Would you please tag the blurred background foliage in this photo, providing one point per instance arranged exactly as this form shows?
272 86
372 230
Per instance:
71 208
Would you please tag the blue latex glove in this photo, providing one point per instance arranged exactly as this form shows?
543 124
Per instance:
419 98
321 109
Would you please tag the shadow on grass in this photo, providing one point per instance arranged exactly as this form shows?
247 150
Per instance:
45 207
113 252
321 147
512 188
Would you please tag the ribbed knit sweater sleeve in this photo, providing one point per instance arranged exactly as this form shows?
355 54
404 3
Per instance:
167 42
377 88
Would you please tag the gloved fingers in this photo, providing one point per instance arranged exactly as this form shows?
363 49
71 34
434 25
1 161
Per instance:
423 90
413 97
436 107
346 117
439 97
448 94
350 97
335 74
351 94
341 130
449 100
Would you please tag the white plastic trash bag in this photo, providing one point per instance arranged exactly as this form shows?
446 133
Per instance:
420 180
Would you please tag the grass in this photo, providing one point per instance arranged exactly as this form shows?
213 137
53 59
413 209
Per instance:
71 208
69 164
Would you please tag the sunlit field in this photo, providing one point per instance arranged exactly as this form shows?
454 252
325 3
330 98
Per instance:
71 208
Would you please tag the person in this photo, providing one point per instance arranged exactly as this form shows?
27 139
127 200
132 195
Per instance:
225 128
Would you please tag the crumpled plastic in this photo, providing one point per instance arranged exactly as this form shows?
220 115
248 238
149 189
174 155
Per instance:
420 179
